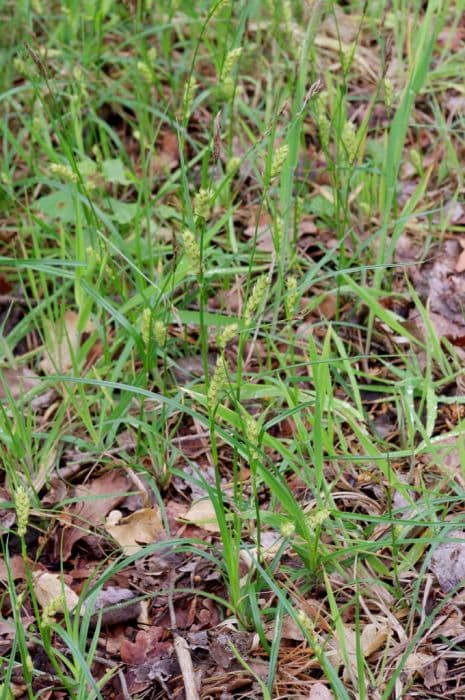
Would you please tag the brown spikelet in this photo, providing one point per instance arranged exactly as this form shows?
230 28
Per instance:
314 89
388 46
217 137
37 60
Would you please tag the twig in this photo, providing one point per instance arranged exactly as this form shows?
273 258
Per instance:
120 674
182 650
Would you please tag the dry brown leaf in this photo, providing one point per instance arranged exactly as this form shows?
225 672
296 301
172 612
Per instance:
142 527
166 157
95 500
340 25
64 343
48 587
442 289
15 568
320 692
116 606
263 230
448 561
202 513
289 630
460 263
19 381
219 639
147 645
417 663
373 637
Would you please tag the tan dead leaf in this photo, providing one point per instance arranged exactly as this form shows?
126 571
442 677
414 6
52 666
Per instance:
166 157
64 340
417 663
202 513
448 561
442 290
220 639
320 692
460 263
263 230
289 630
48 587
373 638
453 626
19 381
116 605
340 25
15 568
142 527
93 502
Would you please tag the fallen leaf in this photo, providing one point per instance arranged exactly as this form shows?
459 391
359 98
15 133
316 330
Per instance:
147 645
48 587
15 567
320 692
64 340
436 674
448 561
417 663
94 501
289 630
373 637
166 157
220 639
19 381
202 513
442 289
142 527
460 263
120 608
263 230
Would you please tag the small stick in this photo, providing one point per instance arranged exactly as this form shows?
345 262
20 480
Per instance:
182 650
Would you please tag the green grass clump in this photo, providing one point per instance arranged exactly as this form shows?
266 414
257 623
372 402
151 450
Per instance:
204 207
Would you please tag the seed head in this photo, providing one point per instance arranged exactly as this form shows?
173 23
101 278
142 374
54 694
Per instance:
221 5
347 58
145 326
64 172
233 164
279 229
202 202
218 382
252 432
227 335
189 94
287 14
279 158
160 332
256 298
291 296
192 250
144 72
388 92
287 529
230 61
317 518
23 507
349 139
227 87
416 160
51 609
